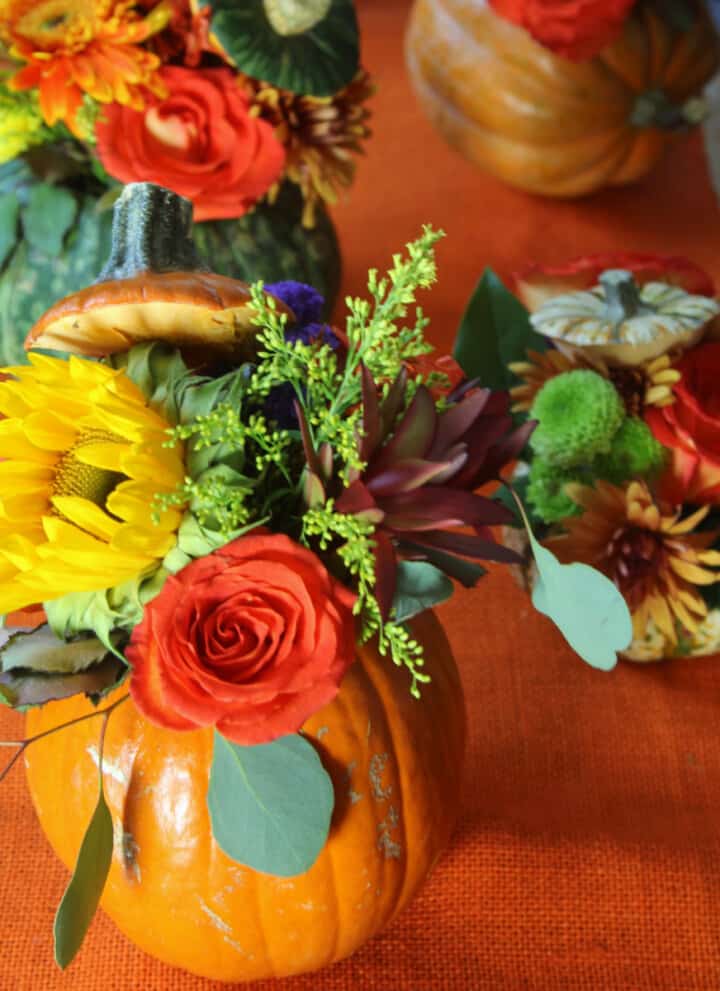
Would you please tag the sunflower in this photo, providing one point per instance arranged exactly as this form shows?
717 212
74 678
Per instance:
77 47
321 135
84 458
656 560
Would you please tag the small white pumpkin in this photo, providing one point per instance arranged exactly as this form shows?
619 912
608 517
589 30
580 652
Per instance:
623 323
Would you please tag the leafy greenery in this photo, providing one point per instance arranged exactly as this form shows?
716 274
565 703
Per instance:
271 804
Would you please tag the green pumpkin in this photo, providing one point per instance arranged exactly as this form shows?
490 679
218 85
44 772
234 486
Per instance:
54 240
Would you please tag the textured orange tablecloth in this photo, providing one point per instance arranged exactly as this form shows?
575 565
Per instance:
588 855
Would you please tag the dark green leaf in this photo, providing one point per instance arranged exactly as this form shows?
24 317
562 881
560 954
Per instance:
9 209
48 216
312 48
23 689
42 651
495 330
466 572
82 895
420 586
271 804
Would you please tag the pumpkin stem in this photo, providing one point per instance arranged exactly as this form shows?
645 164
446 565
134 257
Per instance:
151 232
622 297
654 108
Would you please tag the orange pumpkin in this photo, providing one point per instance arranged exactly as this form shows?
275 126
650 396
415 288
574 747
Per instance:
545 123
395 764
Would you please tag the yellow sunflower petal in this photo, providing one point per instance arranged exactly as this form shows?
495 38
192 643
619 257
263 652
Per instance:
87 516
692 572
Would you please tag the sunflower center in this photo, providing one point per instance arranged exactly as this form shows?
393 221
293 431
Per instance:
631 383
75 478
635 557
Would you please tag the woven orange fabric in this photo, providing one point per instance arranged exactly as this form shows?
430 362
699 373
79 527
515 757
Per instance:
588 856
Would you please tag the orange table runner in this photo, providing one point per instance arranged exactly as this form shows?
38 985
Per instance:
588 855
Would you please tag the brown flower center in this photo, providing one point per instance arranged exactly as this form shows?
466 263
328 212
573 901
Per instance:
75 478
635 560
631 383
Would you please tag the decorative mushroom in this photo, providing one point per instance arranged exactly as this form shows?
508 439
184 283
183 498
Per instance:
153 287
622 323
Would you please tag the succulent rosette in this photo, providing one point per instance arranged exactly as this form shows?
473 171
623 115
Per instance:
622 470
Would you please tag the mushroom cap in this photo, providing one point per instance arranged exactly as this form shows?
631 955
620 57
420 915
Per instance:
187 309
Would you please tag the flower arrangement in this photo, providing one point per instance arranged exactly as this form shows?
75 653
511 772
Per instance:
255 115
623 468
227 540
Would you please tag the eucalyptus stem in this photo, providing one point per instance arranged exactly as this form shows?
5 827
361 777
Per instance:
22 745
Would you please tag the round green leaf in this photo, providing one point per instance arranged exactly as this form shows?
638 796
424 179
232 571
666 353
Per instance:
309 47
270 805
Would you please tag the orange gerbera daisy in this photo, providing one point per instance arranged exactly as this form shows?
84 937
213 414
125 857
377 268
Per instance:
657 561
77 47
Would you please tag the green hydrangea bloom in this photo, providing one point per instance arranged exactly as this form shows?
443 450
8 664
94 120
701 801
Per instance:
21 124
546 491
634 453
579 413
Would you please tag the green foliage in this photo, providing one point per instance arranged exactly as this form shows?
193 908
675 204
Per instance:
420 586
634 453
546 491
579 413
350 538
48 216
9 213
82 895
494 331
584 604
310 48
271 804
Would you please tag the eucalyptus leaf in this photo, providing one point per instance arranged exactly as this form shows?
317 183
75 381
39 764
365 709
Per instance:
82 896
584 604
468 573
420 586
271 804
48 216
9 210
495 330
310 47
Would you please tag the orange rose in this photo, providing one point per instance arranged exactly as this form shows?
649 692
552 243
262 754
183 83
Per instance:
252 639
200 141
535 283
577 29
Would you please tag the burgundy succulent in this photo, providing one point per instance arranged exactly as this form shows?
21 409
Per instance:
422 467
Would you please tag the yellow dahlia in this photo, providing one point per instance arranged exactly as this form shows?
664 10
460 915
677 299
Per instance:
76 47
83 460
656 560
321 135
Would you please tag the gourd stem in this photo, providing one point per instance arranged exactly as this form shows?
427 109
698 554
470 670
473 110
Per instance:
622 296
151 232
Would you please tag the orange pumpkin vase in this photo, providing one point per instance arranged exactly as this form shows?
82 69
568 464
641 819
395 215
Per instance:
395 764
545 123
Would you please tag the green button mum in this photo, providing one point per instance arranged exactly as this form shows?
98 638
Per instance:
579 413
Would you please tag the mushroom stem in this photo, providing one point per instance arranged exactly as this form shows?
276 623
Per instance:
622 297
151 232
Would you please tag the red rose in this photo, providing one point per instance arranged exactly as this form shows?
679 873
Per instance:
252 639
577 29
535 283
690 427
200 141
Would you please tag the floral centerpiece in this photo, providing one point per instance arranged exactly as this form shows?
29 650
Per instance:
623 469
562 97
225 524
256 115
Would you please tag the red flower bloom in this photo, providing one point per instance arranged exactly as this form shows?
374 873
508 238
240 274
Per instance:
201 142
535 283
252 639
690 427
577 29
